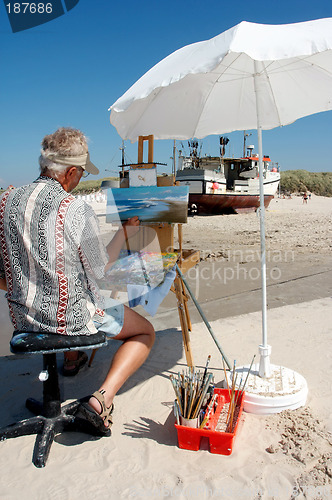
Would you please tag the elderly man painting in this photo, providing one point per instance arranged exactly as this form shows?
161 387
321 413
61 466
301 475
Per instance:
51 257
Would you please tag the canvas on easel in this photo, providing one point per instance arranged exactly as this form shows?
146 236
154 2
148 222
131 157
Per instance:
150 204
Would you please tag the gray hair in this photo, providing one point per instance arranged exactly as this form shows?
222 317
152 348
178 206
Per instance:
49 167
65 141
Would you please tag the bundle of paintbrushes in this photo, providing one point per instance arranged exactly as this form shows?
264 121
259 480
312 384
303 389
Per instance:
192 390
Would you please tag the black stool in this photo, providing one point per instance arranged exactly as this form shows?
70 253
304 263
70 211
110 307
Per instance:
51 418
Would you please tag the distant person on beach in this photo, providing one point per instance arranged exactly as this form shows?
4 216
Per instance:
305 198
51 258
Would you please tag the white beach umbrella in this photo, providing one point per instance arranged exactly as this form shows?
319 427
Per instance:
209 87
252 76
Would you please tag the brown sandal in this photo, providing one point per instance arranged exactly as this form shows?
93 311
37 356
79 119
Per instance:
72 367
106 413
94 420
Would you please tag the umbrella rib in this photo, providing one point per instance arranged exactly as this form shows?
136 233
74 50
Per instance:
290 74
205 101
272 93
240 72
305 59
236 78
219 75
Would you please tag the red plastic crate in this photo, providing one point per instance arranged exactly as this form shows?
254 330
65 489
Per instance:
219 442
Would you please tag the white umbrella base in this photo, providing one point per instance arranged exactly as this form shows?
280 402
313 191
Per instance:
285 389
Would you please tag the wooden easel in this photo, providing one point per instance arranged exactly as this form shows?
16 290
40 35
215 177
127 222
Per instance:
165 234
182 299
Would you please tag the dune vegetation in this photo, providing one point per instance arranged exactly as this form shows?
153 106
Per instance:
299 181
91 186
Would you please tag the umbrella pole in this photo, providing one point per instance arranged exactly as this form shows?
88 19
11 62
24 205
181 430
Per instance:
264 348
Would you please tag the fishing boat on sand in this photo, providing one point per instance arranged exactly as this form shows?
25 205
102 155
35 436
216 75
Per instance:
220 184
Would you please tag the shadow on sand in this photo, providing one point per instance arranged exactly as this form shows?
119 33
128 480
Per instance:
19 375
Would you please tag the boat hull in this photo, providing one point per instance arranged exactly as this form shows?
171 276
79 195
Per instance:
219 203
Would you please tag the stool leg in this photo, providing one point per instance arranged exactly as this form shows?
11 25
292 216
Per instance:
70 408
92 357
51 391
34 406
51 405
25 427
43 445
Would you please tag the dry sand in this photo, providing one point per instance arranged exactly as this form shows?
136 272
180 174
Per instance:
291 226
284 456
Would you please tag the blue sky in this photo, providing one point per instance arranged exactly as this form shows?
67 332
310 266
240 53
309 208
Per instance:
69 71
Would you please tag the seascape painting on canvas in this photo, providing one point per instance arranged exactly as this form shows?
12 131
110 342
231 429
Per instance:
150 204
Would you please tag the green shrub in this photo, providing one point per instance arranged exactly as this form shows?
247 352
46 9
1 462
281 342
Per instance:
298 181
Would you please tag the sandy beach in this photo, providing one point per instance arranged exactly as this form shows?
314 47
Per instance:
281 457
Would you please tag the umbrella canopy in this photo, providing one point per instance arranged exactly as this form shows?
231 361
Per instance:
209 87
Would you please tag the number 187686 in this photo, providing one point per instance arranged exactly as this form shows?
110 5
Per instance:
29 8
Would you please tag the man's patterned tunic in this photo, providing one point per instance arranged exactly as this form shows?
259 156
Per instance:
52 256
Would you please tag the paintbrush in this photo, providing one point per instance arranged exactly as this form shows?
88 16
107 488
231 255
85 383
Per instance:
177 394
194 396
245 382
208 411
241 389
202 396
226 378
177 412
206 367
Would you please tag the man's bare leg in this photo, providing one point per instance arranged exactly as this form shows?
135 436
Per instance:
138 338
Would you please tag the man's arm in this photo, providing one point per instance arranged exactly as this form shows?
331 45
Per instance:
96 258
128 229
3 284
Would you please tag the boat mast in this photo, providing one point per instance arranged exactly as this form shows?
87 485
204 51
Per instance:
174 161
223 141
194 155
122 149
244 142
